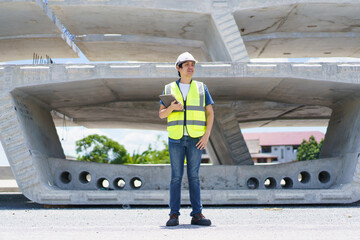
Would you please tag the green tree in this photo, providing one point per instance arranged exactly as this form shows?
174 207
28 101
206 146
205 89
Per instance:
101 149
309 150
151 155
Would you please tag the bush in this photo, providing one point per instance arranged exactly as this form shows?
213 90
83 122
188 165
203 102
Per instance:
309 150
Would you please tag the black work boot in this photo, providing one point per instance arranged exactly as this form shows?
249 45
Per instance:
199 219
173 221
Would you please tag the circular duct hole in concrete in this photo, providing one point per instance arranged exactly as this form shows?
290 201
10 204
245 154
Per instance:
103 183
119 183
85 177
252 183
324 176
304 177
65 177
136 183
286 182
270 183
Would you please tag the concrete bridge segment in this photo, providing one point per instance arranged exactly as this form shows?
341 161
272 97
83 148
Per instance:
226 36
30 93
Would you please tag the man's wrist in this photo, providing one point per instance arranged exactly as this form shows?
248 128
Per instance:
207 134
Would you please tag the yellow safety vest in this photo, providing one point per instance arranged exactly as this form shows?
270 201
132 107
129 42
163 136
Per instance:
195 111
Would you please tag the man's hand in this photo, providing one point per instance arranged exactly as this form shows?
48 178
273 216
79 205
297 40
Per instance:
165 112
175 105
209 123
203 141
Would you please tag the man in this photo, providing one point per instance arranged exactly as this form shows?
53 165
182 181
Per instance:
190 118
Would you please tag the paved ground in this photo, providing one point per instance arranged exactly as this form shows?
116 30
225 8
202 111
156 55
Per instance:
23 219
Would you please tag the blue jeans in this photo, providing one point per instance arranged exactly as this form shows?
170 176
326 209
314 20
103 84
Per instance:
178 150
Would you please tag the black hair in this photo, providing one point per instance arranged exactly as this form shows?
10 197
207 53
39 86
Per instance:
180 66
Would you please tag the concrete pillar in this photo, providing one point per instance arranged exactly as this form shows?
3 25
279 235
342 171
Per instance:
29 138
342 138
227 141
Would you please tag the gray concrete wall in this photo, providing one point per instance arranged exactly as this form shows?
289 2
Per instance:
283 155
273 184
6 173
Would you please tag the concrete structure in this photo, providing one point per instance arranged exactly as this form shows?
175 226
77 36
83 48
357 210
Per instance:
7 181
224 36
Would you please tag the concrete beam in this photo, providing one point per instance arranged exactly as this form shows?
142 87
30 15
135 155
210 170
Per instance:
138 38
230 36
30 93
67 36
297 35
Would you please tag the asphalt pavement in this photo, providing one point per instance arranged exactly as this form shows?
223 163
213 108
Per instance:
21 218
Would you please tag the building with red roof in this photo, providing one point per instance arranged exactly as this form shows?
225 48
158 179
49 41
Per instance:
277 146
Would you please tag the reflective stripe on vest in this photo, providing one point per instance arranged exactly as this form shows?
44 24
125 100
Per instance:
195 111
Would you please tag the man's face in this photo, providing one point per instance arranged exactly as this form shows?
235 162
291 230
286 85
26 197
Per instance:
187 69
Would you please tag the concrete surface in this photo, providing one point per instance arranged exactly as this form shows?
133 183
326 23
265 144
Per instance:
101 95
26 29
7 180
225 30
5 173
23 219
9 186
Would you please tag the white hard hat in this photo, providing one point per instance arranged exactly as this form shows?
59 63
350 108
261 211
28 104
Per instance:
186 56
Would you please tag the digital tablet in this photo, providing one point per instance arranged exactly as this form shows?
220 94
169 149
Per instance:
168 99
